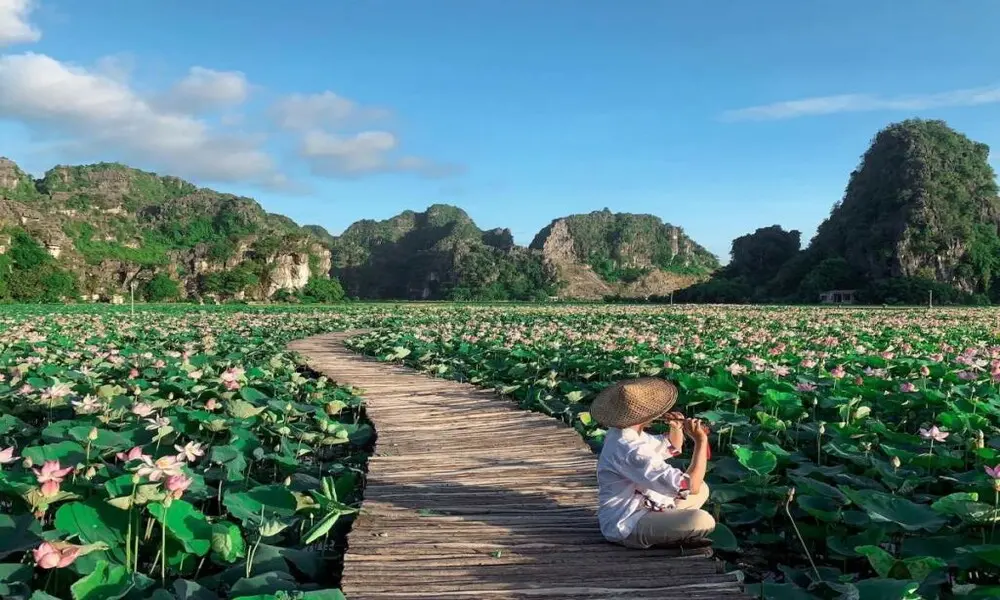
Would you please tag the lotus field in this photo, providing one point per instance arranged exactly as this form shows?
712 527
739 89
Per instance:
171 455
182 453
856 452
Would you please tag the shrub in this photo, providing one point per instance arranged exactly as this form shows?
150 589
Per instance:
161 288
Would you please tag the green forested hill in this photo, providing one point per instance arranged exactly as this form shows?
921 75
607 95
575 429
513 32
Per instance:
102 227
920 216
435 254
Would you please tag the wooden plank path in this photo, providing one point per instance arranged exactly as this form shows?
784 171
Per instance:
469 497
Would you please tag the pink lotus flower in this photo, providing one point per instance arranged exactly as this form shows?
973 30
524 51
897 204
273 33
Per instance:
189 452
966 375
55 555
807 363
133 373
157 423
735 369
59 390
142 409
88 405
907 387
133 454
837 372
165 466
232 374
806 387
934 434
211 404
50 476
7 456
924 371
176 485
994 472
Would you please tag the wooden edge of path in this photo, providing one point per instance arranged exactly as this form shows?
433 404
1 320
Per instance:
467 496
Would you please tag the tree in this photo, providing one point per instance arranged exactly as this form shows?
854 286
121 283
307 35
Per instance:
32 275
830 274
26 253
757 256
322 290
161 288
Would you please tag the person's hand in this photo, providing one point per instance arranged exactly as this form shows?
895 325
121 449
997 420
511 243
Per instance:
695 430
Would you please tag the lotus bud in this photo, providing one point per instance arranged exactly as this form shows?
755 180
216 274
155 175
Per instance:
28 463
136 479
288 481
980 440
90 473
791 495
822 428
996 485
93 434
896 462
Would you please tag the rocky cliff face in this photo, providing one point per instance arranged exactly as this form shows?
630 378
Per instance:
923 203
607 254
112 226
437 254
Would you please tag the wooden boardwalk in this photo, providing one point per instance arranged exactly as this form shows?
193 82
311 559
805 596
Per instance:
469 497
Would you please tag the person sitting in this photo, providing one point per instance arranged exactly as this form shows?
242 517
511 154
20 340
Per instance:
644 502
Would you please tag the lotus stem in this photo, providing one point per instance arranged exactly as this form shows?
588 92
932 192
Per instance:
996 509
128 533
788 501
163 544
201 563
156 560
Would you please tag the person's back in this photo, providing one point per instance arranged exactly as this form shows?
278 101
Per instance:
643 501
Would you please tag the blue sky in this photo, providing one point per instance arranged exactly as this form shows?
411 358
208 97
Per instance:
720 117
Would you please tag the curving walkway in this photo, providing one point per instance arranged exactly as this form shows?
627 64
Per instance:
469 497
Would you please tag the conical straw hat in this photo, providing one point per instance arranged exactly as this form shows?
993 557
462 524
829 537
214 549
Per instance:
633 401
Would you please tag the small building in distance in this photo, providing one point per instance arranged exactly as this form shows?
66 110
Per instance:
837 297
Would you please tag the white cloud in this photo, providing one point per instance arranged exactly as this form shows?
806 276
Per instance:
101 113
316 111
363 153
96 113
828 105
14 26
206 90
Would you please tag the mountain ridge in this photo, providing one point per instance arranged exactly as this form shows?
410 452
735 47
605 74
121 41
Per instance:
109 226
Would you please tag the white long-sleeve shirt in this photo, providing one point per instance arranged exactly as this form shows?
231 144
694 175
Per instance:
634 478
